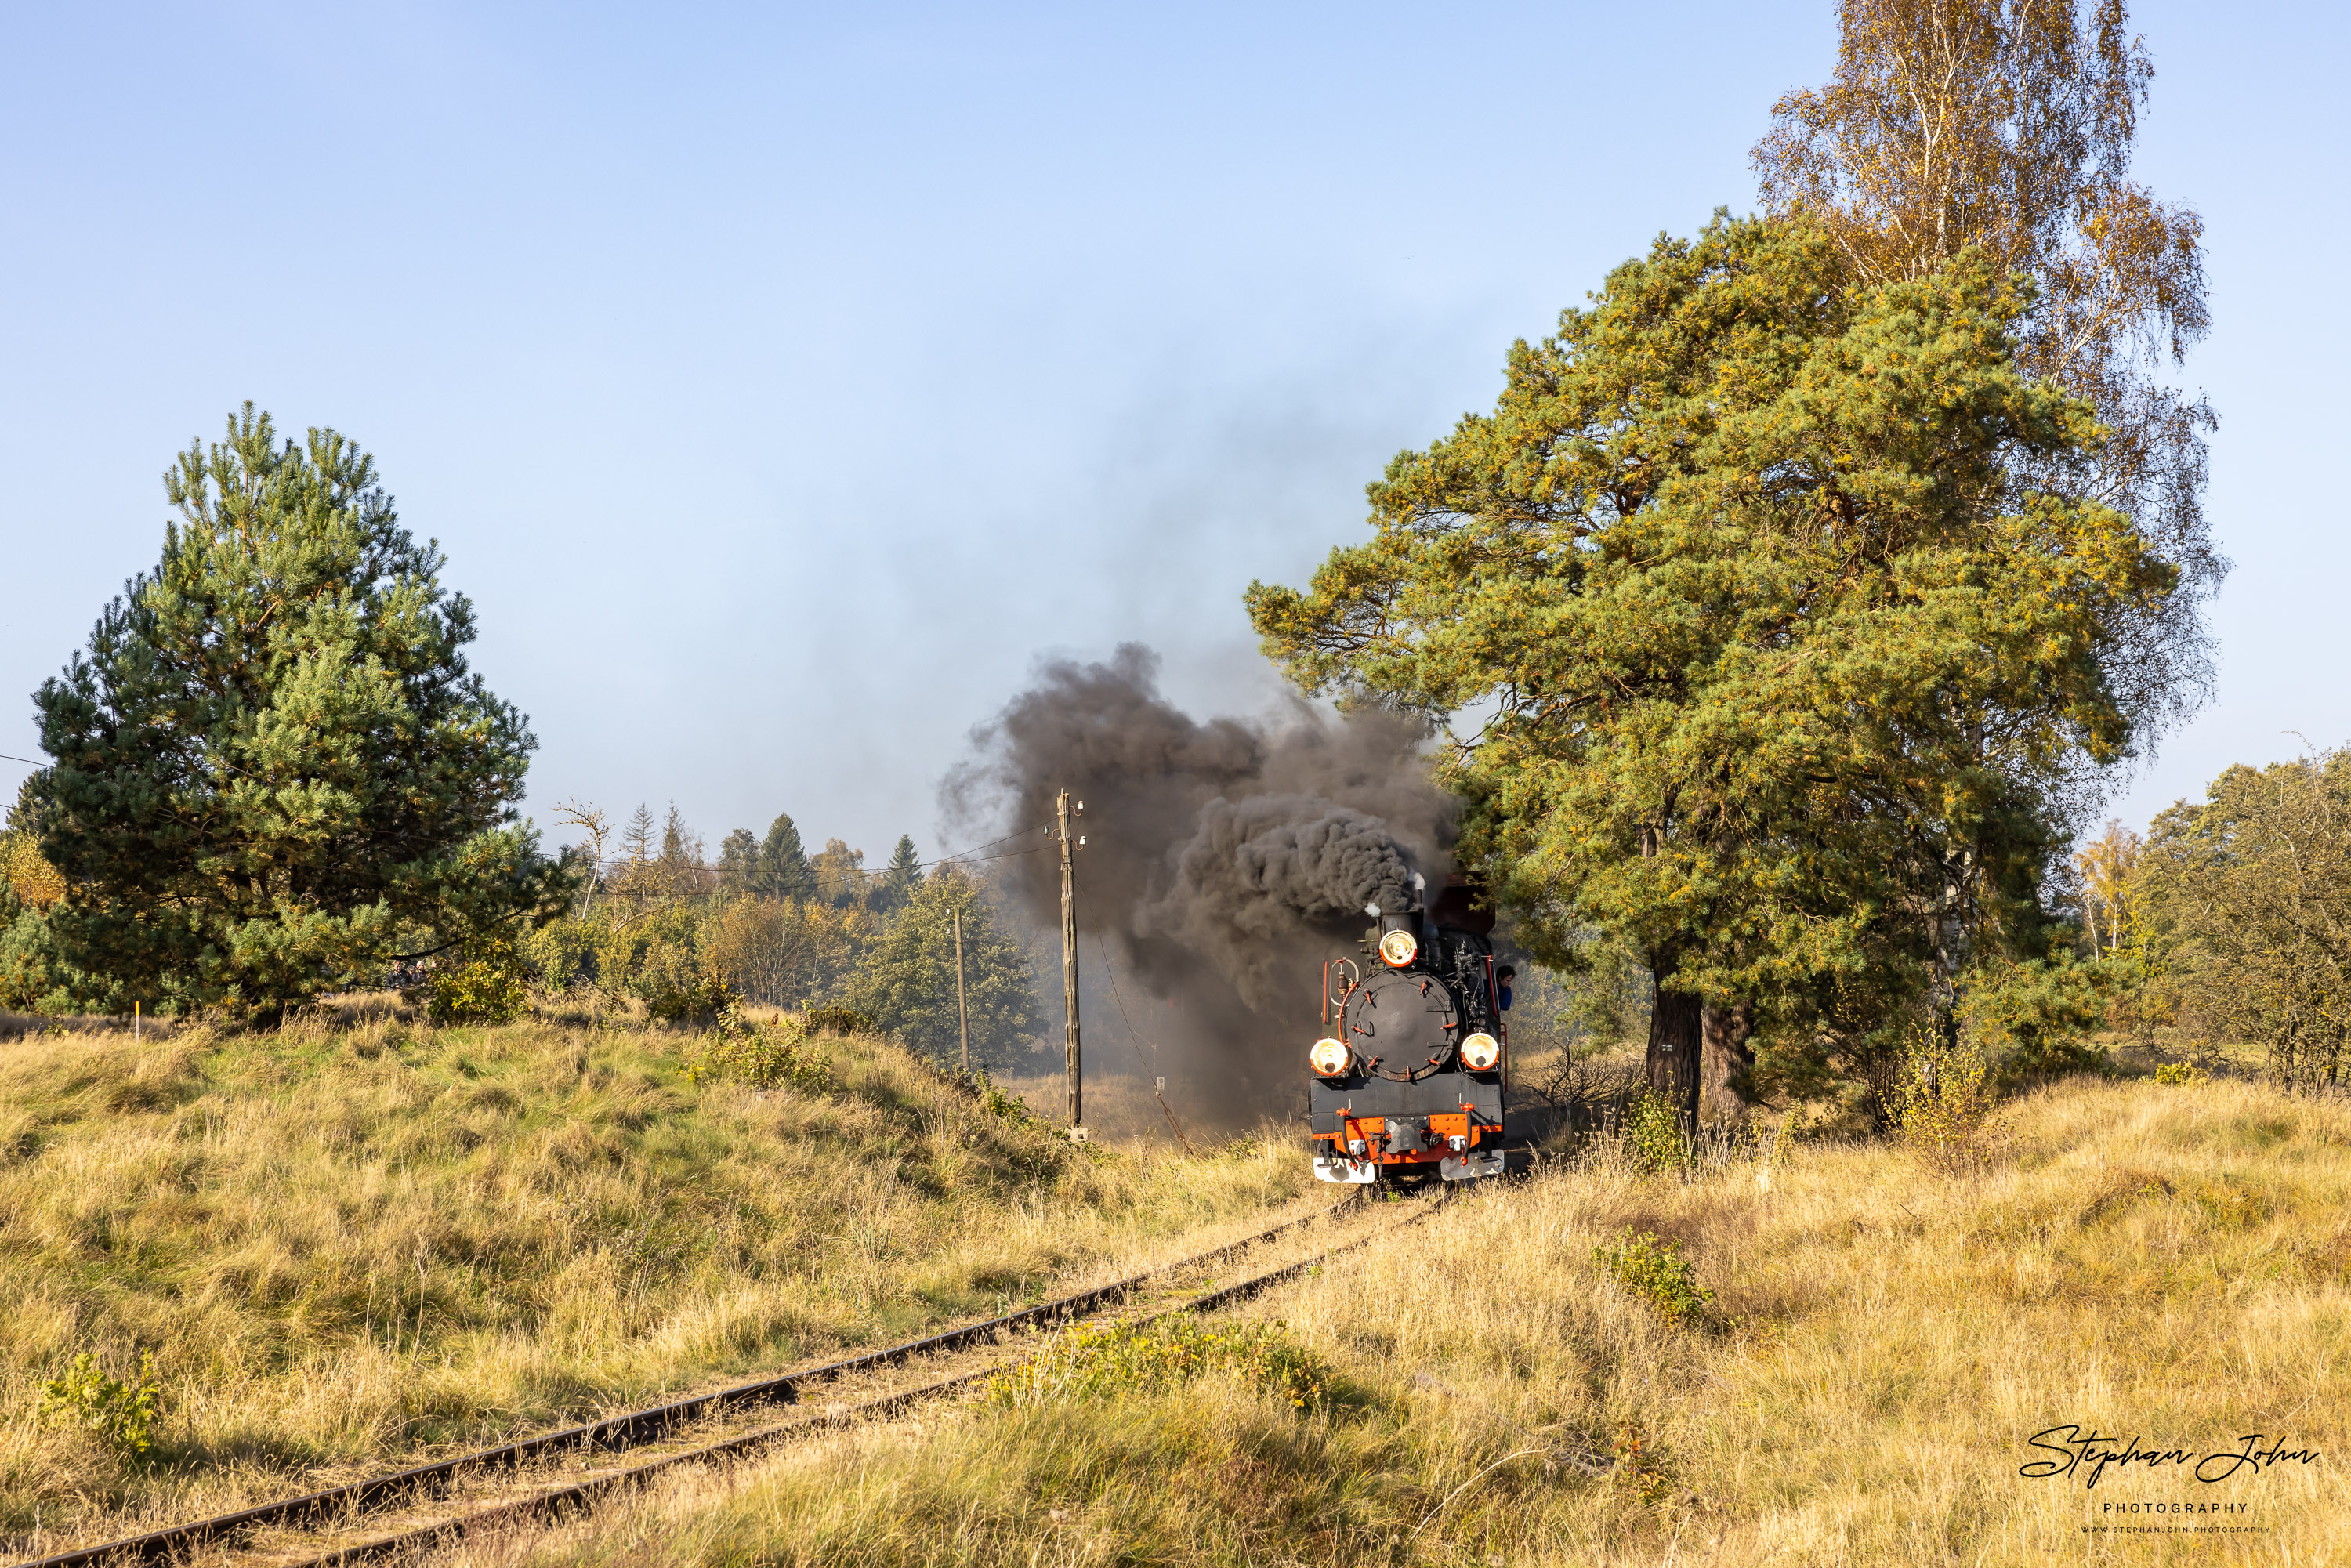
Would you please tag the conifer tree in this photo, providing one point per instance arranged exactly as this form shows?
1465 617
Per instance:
900 876
1780 682
784 869
637 838
274 771
2008 127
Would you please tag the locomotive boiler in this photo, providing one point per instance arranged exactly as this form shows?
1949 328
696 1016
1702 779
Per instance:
1410 1076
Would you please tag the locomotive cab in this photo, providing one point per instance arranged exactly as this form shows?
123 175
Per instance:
1410 1076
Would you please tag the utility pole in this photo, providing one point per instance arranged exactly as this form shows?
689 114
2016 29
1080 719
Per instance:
1069 960
962 1019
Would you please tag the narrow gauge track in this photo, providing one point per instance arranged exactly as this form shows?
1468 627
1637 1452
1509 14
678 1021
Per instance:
343 1506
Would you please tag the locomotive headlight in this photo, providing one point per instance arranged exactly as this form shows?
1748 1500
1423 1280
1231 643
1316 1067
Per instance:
1329 1056
1398 948
1480 1051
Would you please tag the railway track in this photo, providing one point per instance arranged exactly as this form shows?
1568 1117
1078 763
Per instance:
411 1511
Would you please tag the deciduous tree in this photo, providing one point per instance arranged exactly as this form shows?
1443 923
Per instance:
739 862
2007 127
908 983
2249 896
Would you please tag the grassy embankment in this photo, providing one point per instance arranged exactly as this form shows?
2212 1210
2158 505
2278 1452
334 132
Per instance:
2161 1262
359 1236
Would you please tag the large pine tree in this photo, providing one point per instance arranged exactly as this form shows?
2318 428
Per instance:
274 771
1780 682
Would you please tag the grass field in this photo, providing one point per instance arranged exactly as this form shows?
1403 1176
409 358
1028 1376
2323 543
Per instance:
358 1238
2165 1263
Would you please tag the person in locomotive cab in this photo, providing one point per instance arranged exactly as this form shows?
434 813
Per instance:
1409 1081
1502 979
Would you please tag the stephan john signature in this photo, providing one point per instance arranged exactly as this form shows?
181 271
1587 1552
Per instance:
2093 1451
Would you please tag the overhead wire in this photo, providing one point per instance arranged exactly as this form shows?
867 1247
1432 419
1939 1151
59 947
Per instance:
1023 833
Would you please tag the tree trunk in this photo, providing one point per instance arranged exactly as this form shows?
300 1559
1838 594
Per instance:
1674 1049
1726 1058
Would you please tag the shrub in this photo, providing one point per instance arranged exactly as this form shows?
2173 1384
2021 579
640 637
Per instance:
774 1057
119 1412
836 1020
485 987
1653 1137
1644 1466
2183 1072
702 998
1095 1362
997 1104
1658 1271
1943 1104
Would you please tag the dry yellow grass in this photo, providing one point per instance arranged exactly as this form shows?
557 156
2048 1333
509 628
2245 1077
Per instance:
360 1237
2162 1263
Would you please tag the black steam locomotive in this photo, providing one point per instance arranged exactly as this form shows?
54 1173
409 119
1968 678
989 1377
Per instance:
1411 1075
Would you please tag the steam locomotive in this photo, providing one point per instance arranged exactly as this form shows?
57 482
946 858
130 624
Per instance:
1410 1076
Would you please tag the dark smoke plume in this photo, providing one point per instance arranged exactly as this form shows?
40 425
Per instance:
1225 858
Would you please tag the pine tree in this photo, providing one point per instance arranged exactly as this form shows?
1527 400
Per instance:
637 838
907 985
1781 686
784 869
274 771
900 877
681 874
2009 129
679 846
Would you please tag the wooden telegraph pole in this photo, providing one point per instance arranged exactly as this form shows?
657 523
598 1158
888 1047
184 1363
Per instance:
962 1019
1070 961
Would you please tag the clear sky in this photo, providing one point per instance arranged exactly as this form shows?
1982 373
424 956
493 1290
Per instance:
781 382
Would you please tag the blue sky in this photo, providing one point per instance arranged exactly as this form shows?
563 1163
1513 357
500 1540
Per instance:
781 383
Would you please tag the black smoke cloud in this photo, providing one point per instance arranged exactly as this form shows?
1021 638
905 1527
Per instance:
1225 858
1261 873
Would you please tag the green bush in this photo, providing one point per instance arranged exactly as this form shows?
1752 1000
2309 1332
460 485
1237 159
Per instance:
485 987
1096 1361
701 998
997 1104
774 1057
1658 1271
836 1020
120 1414
1653 1137
1942 1105
2182 1073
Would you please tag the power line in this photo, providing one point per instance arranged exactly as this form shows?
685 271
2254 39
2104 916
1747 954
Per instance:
959 854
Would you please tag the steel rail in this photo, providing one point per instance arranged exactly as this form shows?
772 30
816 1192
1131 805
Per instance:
630 1428
576 1496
